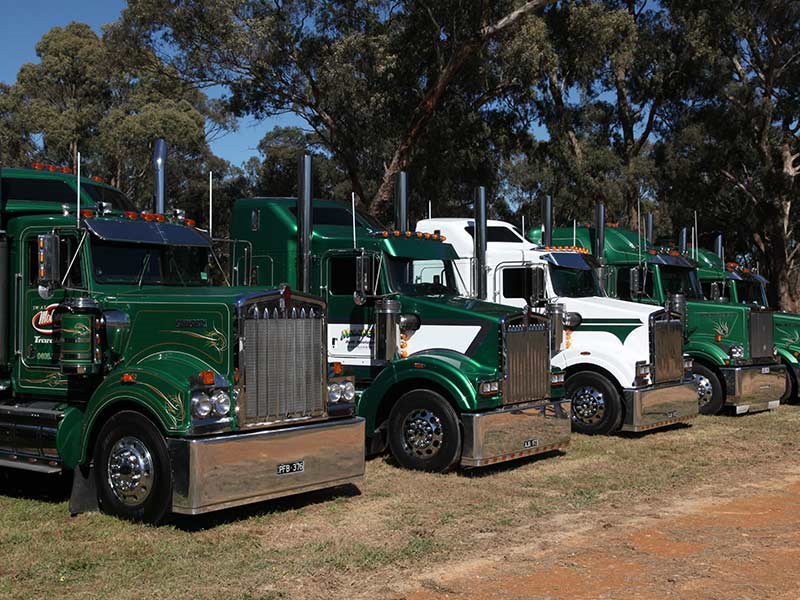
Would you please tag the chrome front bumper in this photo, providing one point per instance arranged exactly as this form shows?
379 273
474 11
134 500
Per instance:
515 431
660 405
754 388
229 470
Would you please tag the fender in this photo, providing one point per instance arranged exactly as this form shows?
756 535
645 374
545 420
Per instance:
160 390
788 358
707 351
570 360
454 372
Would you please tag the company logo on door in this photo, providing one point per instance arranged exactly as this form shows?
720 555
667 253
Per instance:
43 320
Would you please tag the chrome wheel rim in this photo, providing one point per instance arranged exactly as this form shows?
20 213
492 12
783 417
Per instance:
704 390
423 434
130 471
588 405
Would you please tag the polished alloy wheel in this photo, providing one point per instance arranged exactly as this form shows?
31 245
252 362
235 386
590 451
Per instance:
588 405
704 389
130 471
422 433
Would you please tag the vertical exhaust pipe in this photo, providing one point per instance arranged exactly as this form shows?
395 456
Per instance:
599 230
719 247
547 221
682 240
401 202
160 166
304 225
649 226
480 274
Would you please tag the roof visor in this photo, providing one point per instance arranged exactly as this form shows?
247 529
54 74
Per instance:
671 261
571 260
147 232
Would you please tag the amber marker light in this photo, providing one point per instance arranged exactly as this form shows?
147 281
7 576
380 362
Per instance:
87 214
190 222
206 377
337 368
128 378
129 214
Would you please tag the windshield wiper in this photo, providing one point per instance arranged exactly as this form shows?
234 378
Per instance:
145 264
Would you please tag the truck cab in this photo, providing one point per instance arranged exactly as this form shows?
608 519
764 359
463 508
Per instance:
624 363
729 282
734 358
441 379
130 359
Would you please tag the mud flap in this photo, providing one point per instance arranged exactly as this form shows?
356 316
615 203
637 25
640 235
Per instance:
84 491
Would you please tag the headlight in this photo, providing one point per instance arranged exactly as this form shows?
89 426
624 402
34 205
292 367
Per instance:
642 370
557 378
348 391
737 351
201 405
688 364
334 392
489 388
221 402
571 319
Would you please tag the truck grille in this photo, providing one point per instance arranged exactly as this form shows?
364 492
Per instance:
668 350
283 363
761 334
527 362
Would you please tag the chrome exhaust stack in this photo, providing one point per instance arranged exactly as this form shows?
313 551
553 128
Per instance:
719 249
304 224
648 230
401 202
479 275
682 240
160 167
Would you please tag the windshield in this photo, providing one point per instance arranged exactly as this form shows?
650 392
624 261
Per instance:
117 199
422 277
574 283
751 292
680 280
138 264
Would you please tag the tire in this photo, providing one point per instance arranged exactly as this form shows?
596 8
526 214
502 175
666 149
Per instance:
790 395
709 390
132 469
596 404
424 432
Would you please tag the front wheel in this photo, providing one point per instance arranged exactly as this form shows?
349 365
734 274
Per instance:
709 390
131 463
596 405
790 395
424 433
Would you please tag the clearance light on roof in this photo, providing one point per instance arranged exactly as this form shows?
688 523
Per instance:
385 234
396 233
190 222
129 214
97 179
409 234
38 166
87 214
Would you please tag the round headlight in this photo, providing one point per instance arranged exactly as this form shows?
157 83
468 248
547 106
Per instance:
222 402
201 405
348 391
334 392
737 351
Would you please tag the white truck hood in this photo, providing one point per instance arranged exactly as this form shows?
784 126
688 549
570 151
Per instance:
597 307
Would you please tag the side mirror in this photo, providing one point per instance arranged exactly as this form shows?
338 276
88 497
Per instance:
538 291
49 264
364 279
637 281
716 293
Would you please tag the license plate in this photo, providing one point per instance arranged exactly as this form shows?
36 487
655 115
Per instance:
672 414
528 444
765 370
293 467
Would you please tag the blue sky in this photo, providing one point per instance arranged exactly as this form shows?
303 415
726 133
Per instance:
25 22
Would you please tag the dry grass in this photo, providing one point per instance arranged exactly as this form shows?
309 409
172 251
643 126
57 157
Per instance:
402 526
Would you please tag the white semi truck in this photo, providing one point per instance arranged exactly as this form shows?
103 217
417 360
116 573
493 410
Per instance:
624 361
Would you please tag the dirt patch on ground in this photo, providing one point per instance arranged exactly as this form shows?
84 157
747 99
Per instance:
745 547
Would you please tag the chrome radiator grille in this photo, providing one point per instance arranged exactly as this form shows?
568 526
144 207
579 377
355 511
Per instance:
761 334
668 350
527 362
283 364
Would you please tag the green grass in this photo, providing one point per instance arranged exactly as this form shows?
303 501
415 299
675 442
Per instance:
336 544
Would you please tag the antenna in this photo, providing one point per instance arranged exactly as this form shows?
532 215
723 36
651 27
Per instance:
523 225
574 232
78 210
639 226
210 204
353 207
696 234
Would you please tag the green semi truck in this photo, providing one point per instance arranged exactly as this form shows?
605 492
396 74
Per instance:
441 379
730 283
121 360
734 356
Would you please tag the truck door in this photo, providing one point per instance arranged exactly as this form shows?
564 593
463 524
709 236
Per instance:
514 285
35 368
350 326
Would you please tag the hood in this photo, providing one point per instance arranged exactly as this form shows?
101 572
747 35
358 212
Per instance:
457 308
609 308
183 295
